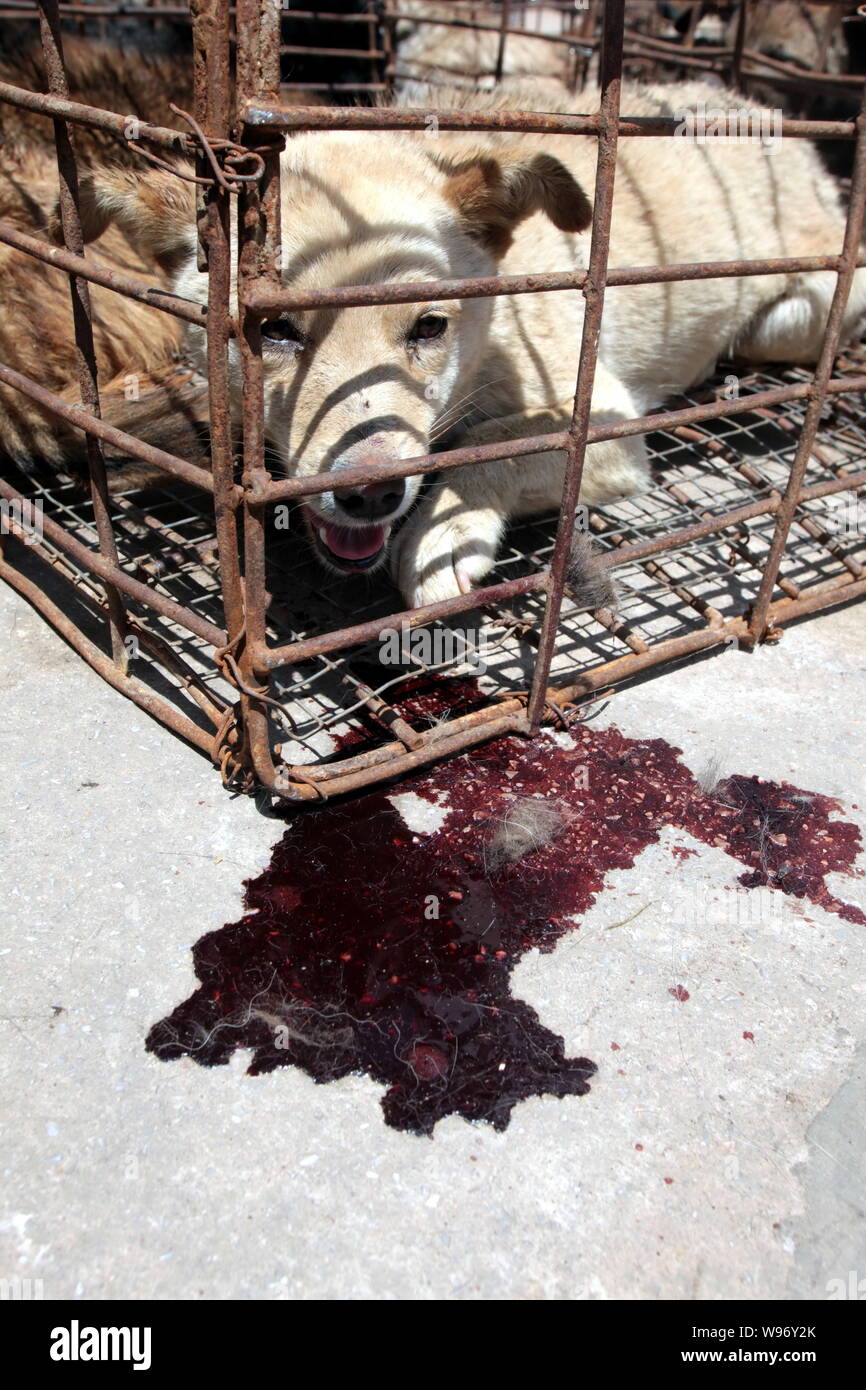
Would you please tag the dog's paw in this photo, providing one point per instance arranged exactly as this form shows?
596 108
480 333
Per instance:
445 549
614 469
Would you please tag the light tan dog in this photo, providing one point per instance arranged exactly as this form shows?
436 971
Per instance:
452 54
382 383
36 331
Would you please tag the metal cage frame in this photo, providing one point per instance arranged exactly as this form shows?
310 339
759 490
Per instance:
237 156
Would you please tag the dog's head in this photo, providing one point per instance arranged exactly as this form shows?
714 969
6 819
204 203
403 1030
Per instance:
360 385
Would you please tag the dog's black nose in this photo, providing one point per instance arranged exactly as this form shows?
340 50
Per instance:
371 503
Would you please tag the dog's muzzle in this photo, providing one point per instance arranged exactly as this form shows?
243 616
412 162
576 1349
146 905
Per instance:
356 537
374 502
347 549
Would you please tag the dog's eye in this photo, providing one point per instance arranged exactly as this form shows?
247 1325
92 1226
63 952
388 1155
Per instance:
282 332
429 326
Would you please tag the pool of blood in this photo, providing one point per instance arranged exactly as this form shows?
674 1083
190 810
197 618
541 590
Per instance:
366 948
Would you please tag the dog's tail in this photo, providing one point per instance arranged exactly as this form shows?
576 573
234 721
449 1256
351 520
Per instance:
588 582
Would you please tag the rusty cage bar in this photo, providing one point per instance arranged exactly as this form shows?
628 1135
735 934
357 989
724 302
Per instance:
237 155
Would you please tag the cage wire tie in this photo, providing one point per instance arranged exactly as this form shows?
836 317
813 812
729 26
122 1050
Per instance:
230 752
298 775
564 715
231 672
233 155
551 711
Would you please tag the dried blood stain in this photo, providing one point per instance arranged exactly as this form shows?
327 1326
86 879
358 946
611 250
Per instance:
366 948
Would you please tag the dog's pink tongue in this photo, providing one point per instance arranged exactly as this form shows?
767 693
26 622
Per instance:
353 542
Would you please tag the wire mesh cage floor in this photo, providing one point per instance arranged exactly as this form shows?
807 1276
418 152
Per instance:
166 537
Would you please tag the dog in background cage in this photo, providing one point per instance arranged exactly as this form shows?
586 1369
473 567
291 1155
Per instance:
465 56
138 349
373 385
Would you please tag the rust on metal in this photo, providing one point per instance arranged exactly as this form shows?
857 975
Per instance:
549 443
593 291
821 379
264 301
269 658
82 318
212 102
258 26
96 428
129 285
61 108
97 563
276 116
127 685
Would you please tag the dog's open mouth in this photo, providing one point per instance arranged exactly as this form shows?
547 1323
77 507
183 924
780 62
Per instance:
347 548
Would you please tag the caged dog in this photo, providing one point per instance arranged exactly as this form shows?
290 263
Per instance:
36 328
465 56
351 386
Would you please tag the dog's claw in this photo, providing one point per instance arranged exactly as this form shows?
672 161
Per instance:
464 583
445 549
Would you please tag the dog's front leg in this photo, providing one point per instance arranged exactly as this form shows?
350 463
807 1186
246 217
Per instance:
450 543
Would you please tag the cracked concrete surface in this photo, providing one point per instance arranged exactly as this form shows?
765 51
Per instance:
703 1164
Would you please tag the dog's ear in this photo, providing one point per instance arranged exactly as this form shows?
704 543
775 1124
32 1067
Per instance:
495 190
154 208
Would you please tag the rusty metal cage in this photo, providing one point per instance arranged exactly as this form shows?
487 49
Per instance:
175 598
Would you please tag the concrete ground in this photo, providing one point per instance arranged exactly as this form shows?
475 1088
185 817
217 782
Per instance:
125 1177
